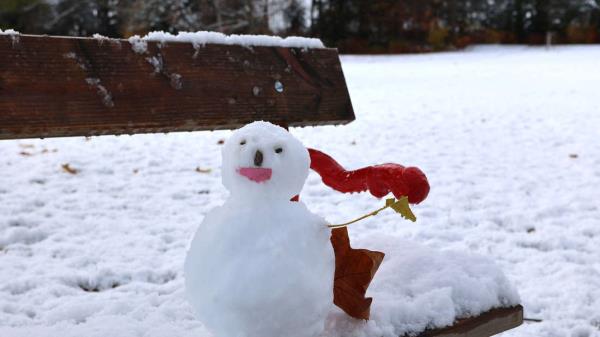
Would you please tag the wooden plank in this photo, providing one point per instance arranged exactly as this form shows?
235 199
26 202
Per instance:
65 86
487 324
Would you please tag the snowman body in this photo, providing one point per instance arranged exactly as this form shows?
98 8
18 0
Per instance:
262 265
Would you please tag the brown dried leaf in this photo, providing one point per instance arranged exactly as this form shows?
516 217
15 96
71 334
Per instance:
25 154
67 168
46 150
202 170
354 270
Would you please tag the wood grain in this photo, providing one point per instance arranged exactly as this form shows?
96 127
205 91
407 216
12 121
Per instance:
64 86
487 324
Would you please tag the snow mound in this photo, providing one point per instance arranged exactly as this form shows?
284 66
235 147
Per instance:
204 37
418 287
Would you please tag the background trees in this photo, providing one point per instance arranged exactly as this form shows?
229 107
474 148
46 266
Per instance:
352 25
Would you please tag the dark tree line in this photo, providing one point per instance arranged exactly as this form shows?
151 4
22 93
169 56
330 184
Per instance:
122 18
352 25
421 25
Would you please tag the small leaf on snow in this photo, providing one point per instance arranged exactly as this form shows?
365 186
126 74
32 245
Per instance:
67 168
203 170
25 154
45 150
401 206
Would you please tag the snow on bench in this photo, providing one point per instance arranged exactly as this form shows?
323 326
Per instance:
204 38
8 32
418 288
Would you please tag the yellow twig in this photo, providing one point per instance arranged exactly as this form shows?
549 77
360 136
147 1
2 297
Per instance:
400 206
358 219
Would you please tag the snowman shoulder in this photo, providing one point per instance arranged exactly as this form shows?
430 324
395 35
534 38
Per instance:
212 220
213 217
301 212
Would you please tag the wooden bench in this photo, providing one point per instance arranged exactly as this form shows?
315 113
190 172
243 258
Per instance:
64 86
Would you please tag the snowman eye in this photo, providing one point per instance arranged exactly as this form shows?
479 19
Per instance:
278 150
243 142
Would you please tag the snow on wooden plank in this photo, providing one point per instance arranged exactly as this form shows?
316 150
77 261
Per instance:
203 37
64 86
487 324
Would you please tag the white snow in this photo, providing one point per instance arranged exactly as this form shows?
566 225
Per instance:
176 81
9 32
203 37
104 94
508 137
100 37
156 63
261 265
138 44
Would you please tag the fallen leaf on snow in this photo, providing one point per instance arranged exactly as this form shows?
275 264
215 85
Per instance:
45 150
354 270
401 207
67 168
203 170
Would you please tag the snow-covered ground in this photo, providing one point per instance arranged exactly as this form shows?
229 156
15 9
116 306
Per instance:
509 138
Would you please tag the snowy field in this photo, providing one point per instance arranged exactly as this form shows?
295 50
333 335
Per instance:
509 138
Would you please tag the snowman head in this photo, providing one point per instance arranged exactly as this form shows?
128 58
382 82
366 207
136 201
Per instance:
264 161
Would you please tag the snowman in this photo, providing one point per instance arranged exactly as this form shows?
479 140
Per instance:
261 265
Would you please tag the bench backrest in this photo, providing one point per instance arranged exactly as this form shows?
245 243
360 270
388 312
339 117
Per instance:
65 86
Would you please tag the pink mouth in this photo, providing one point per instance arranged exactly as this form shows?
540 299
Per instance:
257 174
